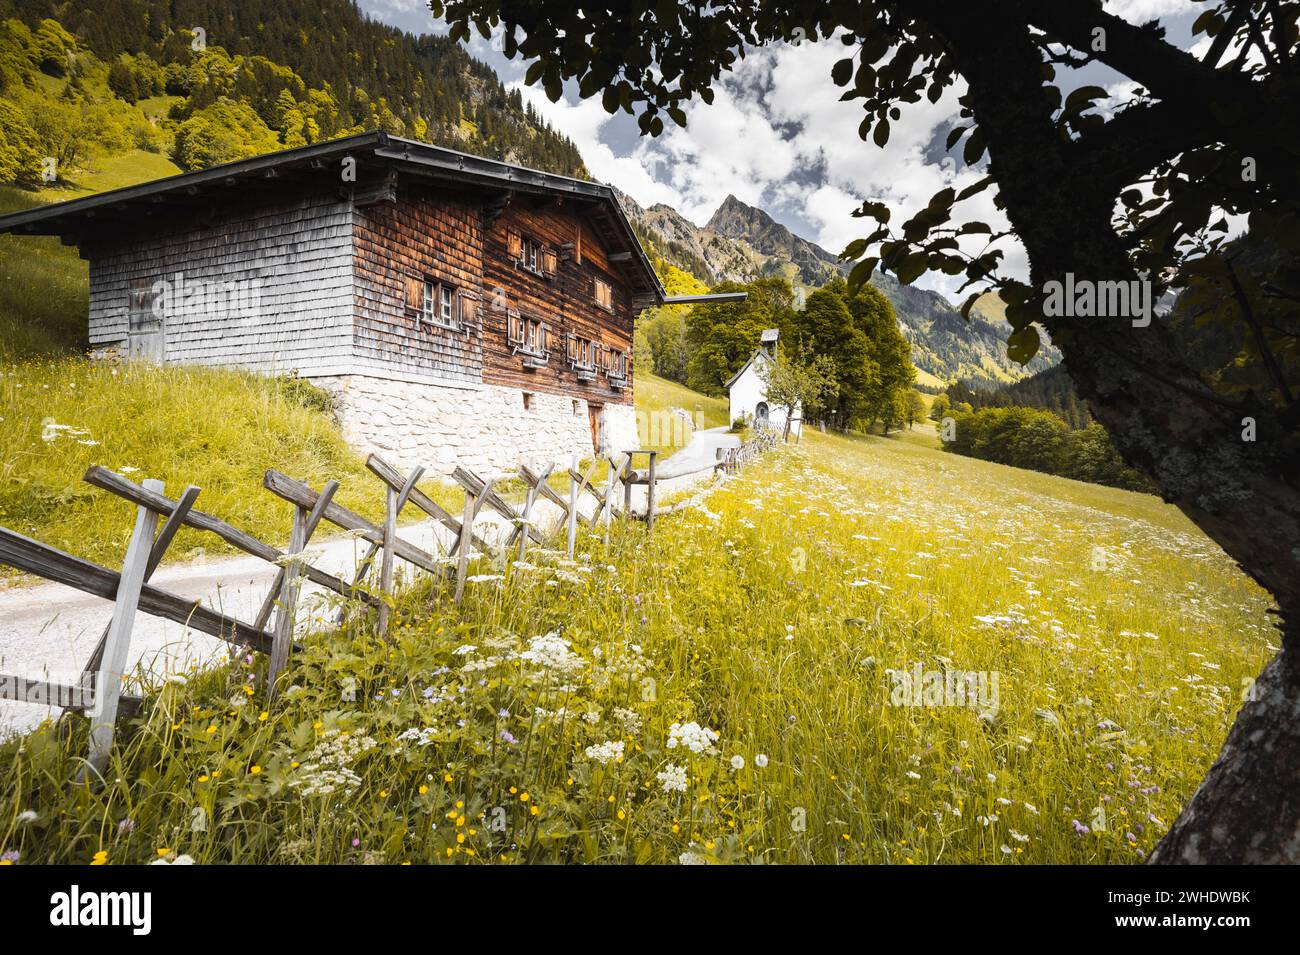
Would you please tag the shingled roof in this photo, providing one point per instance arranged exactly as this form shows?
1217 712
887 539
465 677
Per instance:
319 163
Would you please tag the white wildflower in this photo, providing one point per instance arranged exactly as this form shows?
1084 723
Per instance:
606 752
552 653
672 778
696 738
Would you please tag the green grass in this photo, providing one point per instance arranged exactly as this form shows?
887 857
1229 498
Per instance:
43 283
775 615
111 172
217 429
659 429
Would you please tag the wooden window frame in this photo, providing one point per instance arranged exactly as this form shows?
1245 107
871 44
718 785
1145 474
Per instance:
532 254
576 347
435 296
614 361
529 337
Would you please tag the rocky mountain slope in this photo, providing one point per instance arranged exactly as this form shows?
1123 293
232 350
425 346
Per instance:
741 243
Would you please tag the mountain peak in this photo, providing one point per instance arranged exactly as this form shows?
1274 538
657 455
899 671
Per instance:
738 219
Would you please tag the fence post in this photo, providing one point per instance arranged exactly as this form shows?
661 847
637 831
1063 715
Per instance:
273 595
533 492
108 686
386 562
160 545
609 495
650 494
363 567
472 504
282 635
626 472
573 505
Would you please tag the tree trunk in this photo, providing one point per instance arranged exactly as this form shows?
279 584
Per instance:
1247 809
1164 421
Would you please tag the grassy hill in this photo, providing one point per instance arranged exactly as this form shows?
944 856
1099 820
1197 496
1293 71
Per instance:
568 722
43 297
655 399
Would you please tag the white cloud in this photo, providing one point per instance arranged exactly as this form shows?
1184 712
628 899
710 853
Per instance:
584 123
1142 11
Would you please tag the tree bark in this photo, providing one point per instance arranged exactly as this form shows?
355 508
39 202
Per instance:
1164 421
1247 809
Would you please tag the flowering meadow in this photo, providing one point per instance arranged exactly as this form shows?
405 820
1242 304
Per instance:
857 651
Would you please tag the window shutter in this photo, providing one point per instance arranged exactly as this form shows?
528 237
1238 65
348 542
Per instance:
414 293
549 261
514 244
544 339
464 309
571 346
514 328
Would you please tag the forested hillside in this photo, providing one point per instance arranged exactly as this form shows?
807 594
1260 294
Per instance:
208 82
1049 390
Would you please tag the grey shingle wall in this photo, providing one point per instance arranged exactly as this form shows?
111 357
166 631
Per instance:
281 275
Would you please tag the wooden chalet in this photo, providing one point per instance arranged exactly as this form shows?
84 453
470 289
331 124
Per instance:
460 310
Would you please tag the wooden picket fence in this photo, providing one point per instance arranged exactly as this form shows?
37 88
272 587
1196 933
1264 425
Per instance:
98 692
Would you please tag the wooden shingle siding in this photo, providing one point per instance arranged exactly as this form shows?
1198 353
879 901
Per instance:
292 258
340 288
426 235
566 301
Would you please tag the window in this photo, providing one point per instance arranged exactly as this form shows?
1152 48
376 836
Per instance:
614 361
531 254
530 337
583 353
604 294
434 303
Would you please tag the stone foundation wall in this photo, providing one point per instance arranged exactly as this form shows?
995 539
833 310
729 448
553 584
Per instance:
485 428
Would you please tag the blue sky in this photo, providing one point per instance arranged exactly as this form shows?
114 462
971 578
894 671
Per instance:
777 137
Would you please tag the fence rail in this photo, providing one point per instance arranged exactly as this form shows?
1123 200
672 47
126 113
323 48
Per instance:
98 693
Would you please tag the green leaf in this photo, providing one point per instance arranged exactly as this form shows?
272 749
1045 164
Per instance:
880 133
854 249
861 273
912 268
955 134
942 200
1022 344
975 187
842 71
535 71
967 305
553 86
1081 98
